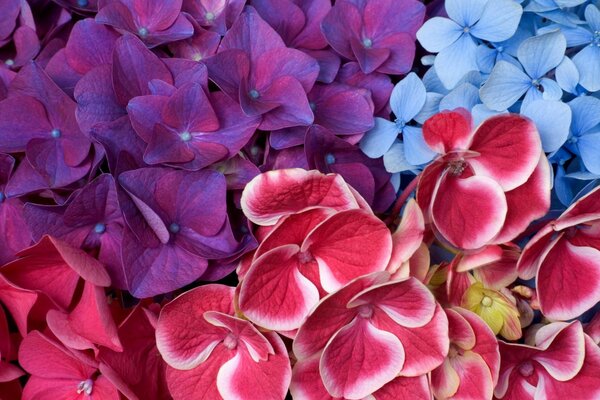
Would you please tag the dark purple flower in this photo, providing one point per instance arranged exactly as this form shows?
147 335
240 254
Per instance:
92 221
328 153
179 222
379 34
90 45
254 67
189 128
39 119
9 11
13 229
341 109
380 85
215 15
154 21
25 47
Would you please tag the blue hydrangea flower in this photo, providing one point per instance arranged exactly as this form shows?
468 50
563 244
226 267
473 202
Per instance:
585 132
455 39
588 59
508 83
552 119
568 77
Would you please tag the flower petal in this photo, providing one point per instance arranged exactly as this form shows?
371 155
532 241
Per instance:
448 130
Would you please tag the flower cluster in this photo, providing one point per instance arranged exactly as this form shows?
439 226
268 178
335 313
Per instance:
265 199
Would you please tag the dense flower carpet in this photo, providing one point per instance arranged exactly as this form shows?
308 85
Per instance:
299 199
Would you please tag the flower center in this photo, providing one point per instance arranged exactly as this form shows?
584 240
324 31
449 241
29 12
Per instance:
197 57
312 105
10 62
174 228
143 32
85 387
55 133
305 257
596 39
467 29
185 136
367 43
454 351
365 311
230 341
457 167
487 301
400 124
209 16
329 158
526 369
500 49
100 228
253 93
82 3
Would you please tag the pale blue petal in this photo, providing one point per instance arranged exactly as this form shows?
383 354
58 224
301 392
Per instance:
465 96
561 17
395 161
438 33
567 75
592 16
552 119
473 77
586 114
395 181
504 87
532 94
588 64
415 149
562 186
428 60
499 20
582 175
589 148
452 63
408 97
378 140
511 46
504 56
569 3
486 58
539 54
431 107
575 36
480 113
465 12
552 90
432 82
541 6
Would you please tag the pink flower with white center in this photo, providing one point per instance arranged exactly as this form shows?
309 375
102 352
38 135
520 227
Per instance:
372 331
321 241
564 364
471 369
487 185
212 354
566 254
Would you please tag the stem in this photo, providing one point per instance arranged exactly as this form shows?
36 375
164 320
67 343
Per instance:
401 199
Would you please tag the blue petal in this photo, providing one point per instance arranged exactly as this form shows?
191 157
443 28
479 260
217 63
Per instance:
552 119
552 90
588 64
575 36
438 33
480 113
395 181
465 12
431 107
452 63
541 6
408 97
586 114
504 87
432 82
465 96
395 161
486 58
499 20
379 139
539 54
567 75
415 149
562 186
589 148
592 16
569 3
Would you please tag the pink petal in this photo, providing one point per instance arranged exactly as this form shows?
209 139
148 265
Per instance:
183 337
531 256
509 147
527 202
448 130
585 209
408 302
18 302
331 315
347 245
568 266
360 359
402 387
459 330
565 355
306 380
274 194
468 212
243 378
408 236
486 255
274 294
199 382
444 381
425 347
475 378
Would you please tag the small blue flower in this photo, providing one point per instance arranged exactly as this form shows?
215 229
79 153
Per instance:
507 82
456 39
585 132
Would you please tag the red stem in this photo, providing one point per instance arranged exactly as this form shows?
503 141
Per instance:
401 199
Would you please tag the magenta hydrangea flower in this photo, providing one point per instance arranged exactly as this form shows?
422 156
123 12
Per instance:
379 34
